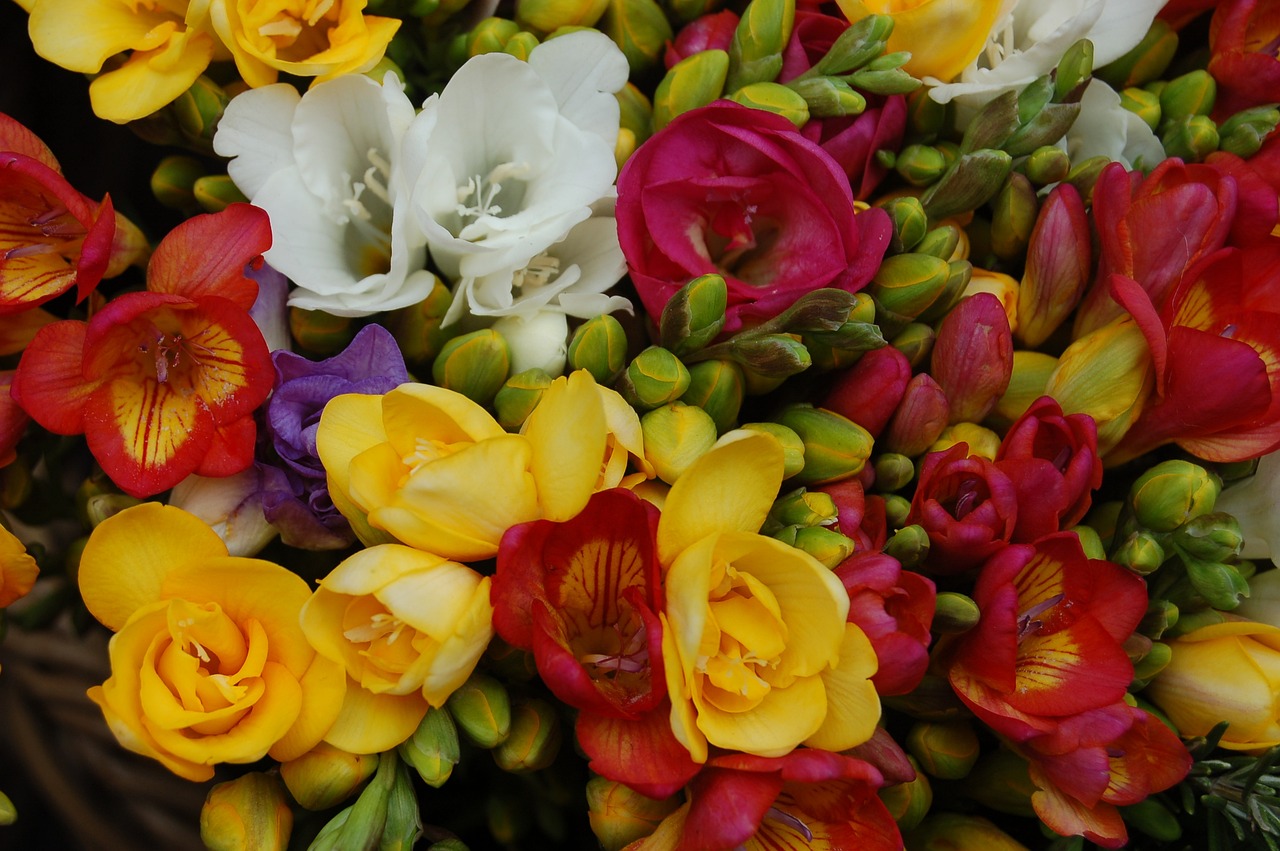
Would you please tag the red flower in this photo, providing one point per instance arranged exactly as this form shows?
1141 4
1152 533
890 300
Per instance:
1243 35
870 391
967 505
1048 644
894 607
163 383
859 517
739 191
709 32
584 596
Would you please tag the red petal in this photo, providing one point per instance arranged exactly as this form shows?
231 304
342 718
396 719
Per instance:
642 753
50 384
726 807
206 255
1068 817
231 450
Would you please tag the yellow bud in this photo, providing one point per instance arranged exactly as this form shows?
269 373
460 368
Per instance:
482 709
676 435
999 285
326 776
215 192
1031 371
716 386
792 446
519 396
521 45
639 28
474 365
692 82
983 442
249 813
534 739
835 447
549 15
775 98
620 815
946 750
1106 374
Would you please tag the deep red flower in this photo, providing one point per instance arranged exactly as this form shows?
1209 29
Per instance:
967 505
894 607
859 517
869 392
709 32
1244 40
738 191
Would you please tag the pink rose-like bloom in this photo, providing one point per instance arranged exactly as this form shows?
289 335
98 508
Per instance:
967 505
738 191
894 607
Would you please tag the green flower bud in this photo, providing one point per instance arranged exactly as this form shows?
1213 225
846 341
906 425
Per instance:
956 832
8 812
534 739
599 346
940 242
1243 133
775 98
1152 817
549 15
770 355
968 184
889 81
490 36
826 545
896 509
835 447
248 812
636 112
640 29
1171 493
955 612
198 109
1047 164
102 506
215 192
1191 139
910 224
1221 585
173 182
692 82
1147 60
694 315
920 165
862 42
1031 371
793 447
482 710
1211 537
433 749
1191 94
909 545
1143 104
946 750
675 436
829 97
620 815
1002 782
417 327
1074 69
915 341
925 116
851 339
1151 664
1140 552
802 507
1190 621
907 284
475 365
654 377
716 386
998 119
1085 173
326 776
686 11
1014 218
320 334
909 802
893 472
755 54
1090 541
403 825
518 397
521 45
1160 617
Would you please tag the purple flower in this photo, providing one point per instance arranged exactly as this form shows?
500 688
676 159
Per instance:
295 491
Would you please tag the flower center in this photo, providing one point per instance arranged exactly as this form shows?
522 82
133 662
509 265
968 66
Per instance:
741 643
172 351
367 213
289 29
380 625
623 650
55 231
541 271
476 197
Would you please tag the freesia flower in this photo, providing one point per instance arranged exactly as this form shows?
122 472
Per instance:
1243 58
512 154
967 505
163 383
1104 128
1252 502
339 210
407 627
894 607
18 570
53 238
208 664
295 496
942 36
231 506
758 655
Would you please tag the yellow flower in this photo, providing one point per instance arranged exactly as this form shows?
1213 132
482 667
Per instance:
208 663
758 655
18 569
429 468
943 36
408 627
1224 672
305 38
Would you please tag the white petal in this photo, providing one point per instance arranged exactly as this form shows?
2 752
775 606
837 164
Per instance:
539 341
255 131
1105 128
584 70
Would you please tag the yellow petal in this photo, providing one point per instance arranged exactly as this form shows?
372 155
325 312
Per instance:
775 726
151 79
373 723
853 706
458 655
943 36
414 411
128 556
322 623
323 687
729 489
679 674
350 425
567 433
373 568
81 35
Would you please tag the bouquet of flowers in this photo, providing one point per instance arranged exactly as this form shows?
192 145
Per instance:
769 424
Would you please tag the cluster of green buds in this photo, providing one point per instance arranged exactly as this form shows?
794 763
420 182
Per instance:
836 85
522 733
384 816
920 281
805 519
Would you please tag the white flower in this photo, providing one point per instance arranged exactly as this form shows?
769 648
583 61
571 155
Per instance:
1255 502
231 505
539 340
512 154
326 166
1030 37
1105 128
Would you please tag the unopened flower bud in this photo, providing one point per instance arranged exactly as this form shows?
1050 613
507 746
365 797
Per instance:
1211 537
521 45
907 284
326 776
1190 139
198 109
717 387
248 812
1140 551
1047 164
940 242
319 333
893 471
549 15
982 441
909 802
1074 68
955 613
859 44
433 749
1143 104
946 750
972 357
215 192
773 97
8 812
910 224
920 419
803 507
676 435
518 396
640 29
1155 660
635 112
1058 266
1191 94
1090 541
958 832
896 509
909 545
475 365
173 182
417 327
756 51
1171 493
1031 371
695 81
1221 585
1014 217
599 346
925 116
653 378
1160 617
534 739
835 447
829 97
1147 60
968 184
842 348
920 165
482 710
619 815
826 545
1002 782
694 315
1243 133
883 81
793 447
101 506
1085 173
490 36
771 355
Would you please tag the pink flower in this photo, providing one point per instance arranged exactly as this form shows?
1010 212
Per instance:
894 607
740 192
968 507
